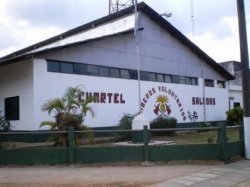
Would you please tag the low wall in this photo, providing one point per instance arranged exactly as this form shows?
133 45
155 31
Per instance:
221 150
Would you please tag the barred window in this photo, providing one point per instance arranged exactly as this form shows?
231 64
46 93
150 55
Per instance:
92 70
103 71
114 72
67 67
80 68
221 84
168 78
151 76
209 83
125 74
160 77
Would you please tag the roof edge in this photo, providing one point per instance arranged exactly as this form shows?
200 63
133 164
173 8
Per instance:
78 29
147 10
182 38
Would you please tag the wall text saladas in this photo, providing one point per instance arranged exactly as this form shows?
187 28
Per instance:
203 101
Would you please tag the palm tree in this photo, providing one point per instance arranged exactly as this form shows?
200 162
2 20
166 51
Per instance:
70 110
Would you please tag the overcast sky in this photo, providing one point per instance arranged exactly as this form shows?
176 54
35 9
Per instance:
25 22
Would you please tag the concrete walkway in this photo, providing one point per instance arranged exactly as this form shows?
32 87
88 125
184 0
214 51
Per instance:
235 174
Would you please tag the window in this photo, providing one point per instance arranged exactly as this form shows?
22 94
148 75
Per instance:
194 81
11 107
114 72
168 78
221 84
191 81
103 71
124 74
92 70
209 83
160 77
182 80
175 79
67 67
53 66
144 75
96 70
133 74
80 68
151 76
236 104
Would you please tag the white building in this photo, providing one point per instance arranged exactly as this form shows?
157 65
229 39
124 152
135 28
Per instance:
102 56
234 86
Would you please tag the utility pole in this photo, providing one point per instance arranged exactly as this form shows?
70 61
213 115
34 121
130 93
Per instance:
140 120
245 74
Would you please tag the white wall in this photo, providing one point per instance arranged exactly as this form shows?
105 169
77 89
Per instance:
169 54
105 52
235 92
16 79
50 85
186 93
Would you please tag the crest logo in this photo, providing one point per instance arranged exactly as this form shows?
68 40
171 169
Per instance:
161 106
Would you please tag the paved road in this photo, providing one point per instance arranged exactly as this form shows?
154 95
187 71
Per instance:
168 175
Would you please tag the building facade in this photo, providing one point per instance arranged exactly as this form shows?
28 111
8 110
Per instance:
234 86
177 78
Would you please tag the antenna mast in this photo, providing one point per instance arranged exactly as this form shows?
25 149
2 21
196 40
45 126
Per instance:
192 17
117 5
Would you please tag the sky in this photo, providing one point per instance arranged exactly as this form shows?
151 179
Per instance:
213 27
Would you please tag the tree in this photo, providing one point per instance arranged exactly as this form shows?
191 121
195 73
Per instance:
70 110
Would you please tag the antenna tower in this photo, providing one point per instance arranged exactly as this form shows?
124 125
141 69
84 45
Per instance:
117 5
192 18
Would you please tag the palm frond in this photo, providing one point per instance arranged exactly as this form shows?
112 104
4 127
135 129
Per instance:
71 98
71 93
91 111
85 108
53 125
56 104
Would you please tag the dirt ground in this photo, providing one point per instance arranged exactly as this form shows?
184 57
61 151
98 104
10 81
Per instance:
132 175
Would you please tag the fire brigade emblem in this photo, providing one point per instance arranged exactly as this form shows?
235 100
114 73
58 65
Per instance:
161 106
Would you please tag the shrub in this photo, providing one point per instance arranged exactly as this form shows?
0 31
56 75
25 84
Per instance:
163 122
125 123
4 125
235 116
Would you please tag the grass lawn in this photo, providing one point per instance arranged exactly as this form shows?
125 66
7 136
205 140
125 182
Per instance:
180 138
199 137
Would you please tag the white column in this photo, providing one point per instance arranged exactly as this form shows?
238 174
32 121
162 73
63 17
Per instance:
139 121
247 136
